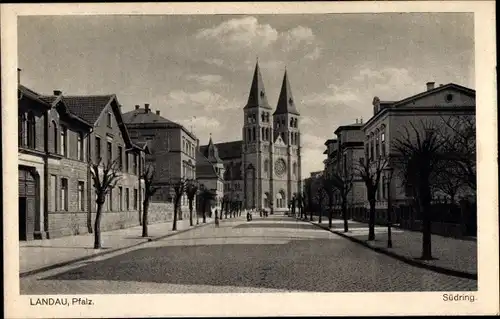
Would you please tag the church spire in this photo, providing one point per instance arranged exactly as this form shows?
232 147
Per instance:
257 96
286 103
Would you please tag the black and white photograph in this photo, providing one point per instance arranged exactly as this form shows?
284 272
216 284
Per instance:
165 156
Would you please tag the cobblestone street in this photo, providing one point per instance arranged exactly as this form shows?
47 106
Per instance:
266 255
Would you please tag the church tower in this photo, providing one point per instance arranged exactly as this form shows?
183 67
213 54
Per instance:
286 153
257 129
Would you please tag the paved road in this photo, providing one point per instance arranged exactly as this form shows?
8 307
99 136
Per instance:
276 254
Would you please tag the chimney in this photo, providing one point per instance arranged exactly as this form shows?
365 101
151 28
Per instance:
146 107
18 76
361 120
430 86
57 92
157 112
137 107
356 121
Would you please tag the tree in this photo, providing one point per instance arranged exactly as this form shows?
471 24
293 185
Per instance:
420 156
458 132
179 187
343 183
320 195
331 191
191 190
105 176
370 171
206 196
308 192
148 175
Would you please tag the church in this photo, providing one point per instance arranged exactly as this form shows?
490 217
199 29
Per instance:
263 170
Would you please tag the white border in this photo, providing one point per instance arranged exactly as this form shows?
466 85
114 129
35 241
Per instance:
305 304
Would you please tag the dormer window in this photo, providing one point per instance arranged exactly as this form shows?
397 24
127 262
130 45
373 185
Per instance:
262 94
449 98
290 101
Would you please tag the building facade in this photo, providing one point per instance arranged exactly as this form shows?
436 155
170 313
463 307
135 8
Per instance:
375 139
269 156
59 136
210 174
172 150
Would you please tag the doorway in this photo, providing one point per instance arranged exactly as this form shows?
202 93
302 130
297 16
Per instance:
22 218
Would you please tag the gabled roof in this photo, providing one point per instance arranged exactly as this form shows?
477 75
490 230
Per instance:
227 150
32 95
204 169
463 89
286 103
88 107
257 96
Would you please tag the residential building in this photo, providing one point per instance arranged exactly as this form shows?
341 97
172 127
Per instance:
172 148
59 135
210 174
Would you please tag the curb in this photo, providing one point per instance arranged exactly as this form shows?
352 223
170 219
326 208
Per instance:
409 261
72 261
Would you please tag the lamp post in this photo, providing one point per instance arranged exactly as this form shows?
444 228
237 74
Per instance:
389 171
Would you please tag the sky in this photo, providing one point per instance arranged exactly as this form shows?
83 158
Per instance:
197 69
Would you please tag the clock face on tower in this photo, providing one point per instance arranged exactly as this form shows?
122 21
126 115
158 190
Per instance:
280 167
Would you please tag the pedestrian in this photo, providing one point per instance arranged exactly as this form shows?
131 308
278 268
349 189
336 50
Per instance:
216 219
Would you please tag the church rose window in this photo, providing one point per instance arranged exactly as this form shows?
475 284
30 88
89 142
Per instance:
280 167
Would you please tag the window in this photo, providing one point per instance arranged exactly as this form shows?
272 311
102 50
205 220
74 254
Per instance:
135 164
21 129
81 196
120 198
109 200
127 164
97 149
54 128
384 195
127 199
382 137
110 153
64 141
377 145
135 199
30 130
254 134
109 119
80 147
345 164
120 158
64 194
53 193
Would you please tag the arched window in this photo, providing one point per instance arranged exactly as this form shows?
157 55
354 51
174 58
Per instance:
254 134
30 130
263 136
79 146
294 168
64 141
22 129
382 140
291 122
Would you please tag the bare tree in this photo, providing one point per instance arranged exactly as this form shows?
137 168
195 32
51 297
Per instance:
459 134
308 192
370 171
420 156
148 175
320 195
343 183
331 191
191 190
105 176
179 187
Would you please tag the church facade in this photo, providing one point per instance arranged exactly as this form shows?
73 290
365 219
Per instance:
263 170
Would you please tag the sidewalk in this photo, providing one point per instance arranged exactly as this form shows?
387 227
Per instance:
40 255
453 256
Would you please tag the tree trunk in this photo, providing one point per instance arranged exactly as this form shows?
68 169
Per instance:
371 220
311 214
344 214
176 205
97 227
191 212
145 208
320 213
330 217
203 212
